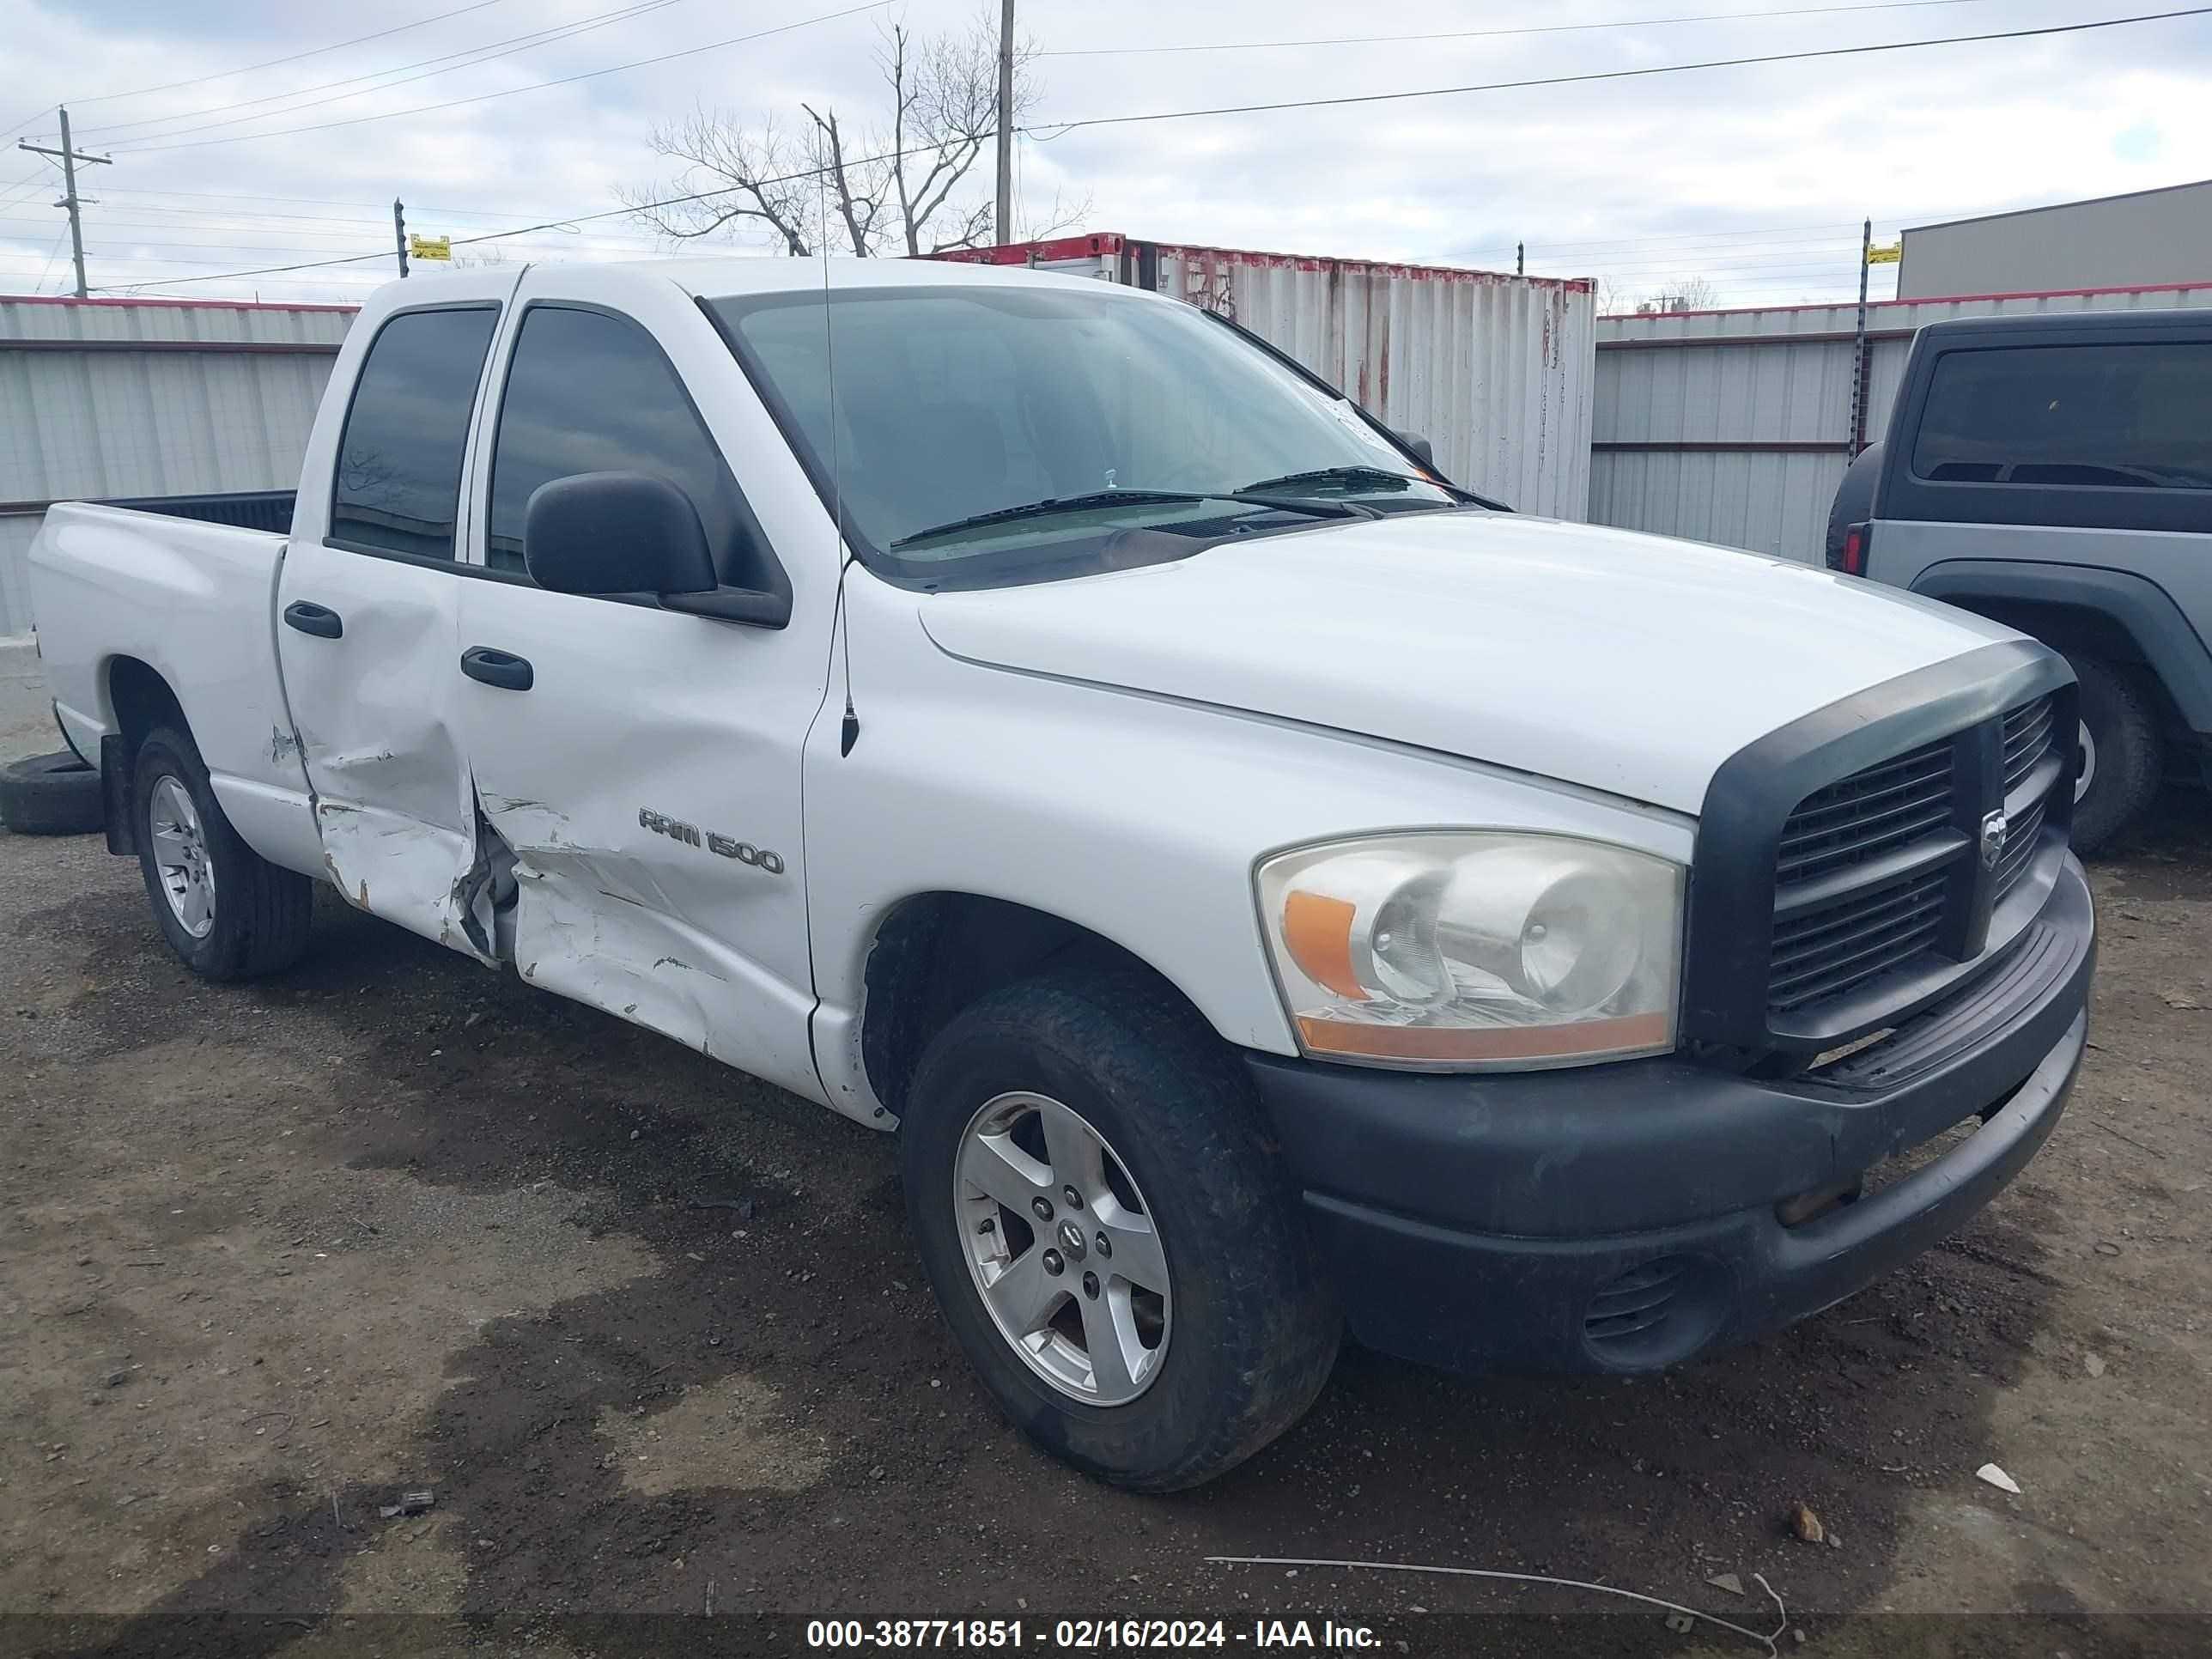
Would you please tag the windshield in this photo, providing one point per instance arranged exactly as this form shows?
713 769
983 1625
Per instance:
977 425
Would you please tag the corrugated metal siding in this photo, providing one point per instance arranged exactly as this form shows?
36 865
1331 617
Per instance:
1496 371
1747 414
149 399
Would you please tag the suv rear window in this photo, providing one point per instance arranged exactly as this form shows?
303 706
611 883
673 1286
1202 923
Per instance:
2128 416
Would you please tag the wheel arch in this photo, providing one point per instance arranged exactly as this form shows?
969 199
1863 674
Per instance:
936 953
139 698
2126 619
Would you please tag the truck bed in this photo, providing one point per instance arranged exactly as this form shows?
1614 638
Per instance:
186 585
246 509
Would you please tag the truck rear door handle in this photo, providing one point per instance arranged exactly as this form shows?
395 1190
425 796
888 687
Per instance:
319 620
493 667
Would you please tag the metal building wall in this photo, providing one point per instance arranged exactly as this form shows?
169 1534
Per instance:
1734 427
2146 237
149 398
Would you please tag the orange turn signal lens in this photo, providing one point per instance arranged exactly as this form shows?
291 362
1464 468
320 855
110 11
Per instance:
1317 933
1457 1045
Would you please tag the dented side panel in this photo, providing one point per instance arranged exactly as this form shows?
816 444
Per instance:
647 784
373 711
649 781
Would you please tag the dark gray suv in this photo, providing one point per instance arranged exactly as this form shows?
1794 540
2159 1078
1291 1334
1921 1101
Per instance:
2054 471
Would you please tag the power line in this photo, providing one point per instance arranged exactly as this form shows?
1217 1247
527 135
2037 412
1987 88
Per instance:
509 92
1174 115
17 126
1485 34
510 46
313 52
320 201
1347 98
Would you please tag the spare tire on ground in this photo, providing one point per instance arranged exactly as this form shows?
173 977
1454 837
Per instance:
55 794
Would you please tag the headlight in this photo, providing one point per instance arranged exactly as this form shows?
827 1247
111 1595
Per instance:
1475 950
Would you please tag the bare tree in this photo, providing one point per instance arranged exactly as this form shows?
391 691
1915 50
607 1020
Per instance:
901 185
1691 293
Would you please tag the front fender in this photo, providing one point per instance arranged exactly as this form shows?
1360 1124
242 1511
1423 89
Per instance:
1137 817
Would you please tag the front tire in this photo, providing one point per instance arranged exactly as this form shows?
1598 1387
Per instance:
225 910
2122 754
1112 1239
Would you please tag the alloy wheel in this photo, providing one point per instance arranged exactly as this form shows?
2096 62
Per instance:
180 857
1062 1248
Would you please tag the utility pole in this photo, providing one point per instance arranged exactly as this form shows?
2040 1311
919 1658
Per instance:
1004 226
1859 343
399 232
68 157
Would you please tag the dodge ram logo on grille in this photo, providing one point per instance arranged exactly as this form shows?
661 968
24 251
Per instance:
1994 828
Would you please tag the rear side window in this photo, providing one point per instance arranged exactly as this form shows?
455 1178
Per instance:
587 392
398 482
2136 415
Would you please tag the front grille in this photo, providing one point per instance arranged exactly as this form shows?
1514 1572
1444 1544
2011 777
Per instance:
1834 950
2027 739
1866 815
2020 848
1871 872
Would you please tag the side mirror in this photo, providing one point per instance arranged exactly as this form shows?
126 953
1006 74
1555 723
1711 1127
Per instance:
1420 446
614 532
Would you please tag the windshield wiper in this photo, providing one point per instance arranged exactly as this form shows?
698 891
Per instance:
1379 477
1052 504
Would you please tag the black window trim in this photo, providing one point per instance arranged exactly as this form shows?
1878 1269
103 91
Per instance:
343 544
2028 344
749 524
1902 494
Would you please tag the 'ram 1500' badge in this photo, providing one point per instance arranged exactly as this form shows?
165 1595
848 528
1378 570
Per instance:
743 850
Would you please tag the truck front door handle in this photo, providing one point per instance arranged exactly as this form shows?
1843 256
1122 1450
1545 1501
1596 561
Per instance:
493 667
319 620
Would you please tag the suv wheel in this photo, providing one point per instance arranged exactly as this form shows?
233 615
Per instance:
1109 1233
226 911
2123 754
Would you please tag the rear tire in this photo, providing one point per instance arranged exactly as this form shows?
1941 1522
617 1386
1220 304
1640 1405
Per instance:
1244 1331
2122 754
225 910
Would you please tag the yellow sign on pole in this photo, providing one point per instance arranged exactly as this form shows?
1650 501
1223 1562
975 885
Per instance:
1886 253
429 247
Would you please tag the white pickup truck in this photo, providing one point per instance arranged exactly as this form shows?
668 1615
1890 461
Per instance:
1270 890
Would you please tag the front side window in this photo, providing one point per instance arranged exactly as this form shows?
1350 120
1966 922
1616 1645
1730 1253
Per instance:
952 403
588 391
398 482
2136 415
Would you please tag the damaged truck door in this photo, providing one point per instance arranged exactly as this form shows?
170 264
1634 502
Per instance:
367 601
641 766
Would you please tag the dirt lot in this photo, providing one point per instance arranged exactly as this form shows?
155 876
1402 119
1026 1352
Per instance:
270 1256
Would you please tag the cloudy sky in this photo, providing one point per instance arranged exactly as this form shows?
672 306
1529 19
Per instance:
1753 178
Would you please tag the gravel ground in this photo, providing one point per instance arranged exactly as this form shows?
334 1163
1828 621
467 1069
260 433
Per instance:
655 1337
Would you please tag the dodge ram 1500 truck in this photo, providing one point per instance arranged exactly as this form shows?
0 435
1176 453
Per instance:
1270 890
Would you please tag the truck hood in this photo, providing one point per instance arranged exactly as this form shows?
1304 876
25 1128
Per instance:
1622 662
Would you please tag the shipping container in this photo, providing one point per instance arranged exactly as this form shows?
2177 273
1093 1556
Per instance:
1496 371
1734 427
